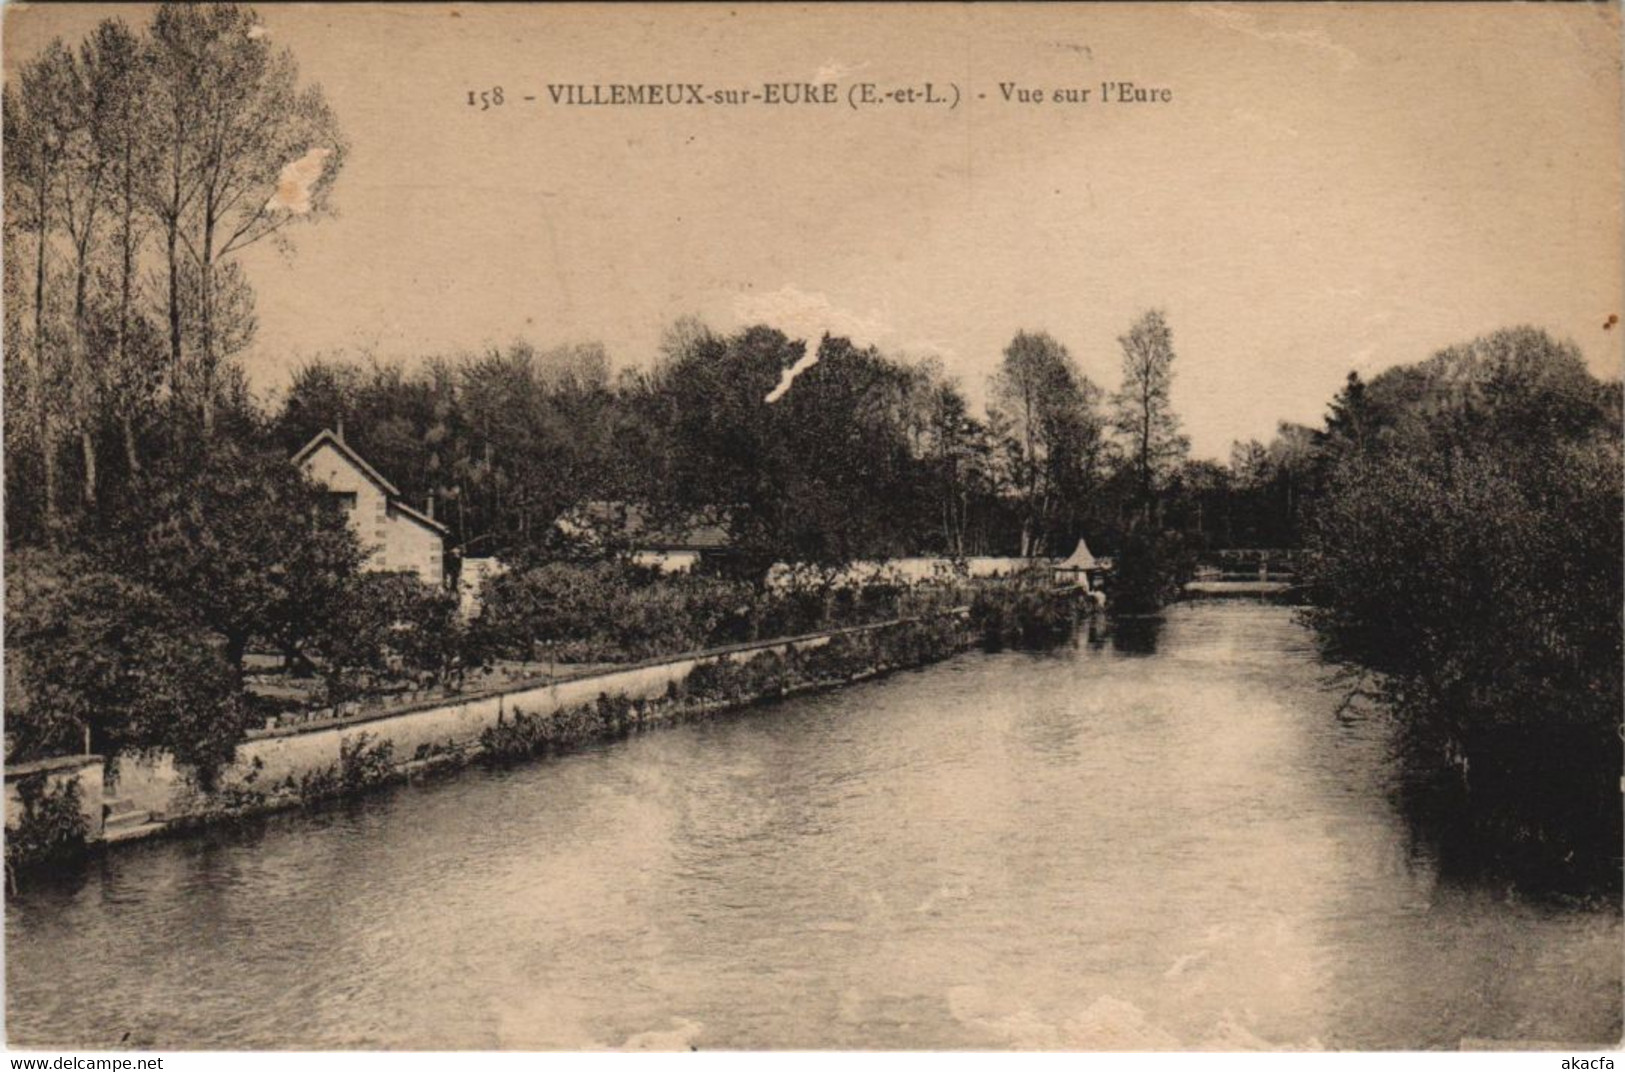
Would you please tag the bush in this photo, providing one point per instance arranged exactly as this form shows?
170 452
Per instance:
1473 560
90 649
609 611
612 612
394 627
364 761
52 825
1021 613
1149 573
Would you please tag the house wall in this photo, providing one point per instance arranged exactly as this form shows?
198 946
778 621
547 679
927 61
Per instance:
392 540
410 546
369 518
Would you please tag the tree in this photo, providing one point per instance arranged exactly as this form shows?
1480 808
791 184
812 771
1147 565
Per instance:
1271 483
173 124
392 625
82 198
959 453
37 126
120 70
1469 553
1348 420
1210 492
1053 432
242 542
1143 406
249 154
103 662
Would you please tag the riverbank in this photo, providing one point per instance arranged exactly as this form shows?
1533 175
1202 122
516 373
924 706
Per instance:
277 768
967 856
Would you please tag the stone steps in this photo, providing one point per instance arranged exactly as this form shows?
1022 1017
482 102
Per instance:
122 820
132 817
128 832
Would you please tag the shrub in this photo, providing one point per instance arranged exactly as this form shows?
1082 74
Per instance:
90 649
365 761
612 611
1470 553
1149 573
51 826
514 737
393 626
1021 614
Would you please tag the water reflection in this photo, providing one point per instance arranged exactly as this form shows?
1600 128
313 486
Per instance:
1174 845
1128 634
1135 634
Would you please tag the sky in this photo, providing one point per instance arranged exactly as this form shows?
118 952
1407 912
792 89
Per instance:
1329 187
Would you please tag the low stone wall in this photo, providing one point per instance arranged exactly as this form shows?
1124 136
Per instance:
272 758
58 772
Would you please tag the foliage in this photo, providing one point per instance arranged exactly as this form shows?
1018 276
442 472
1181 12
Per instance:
521 735
1149 572
729 681
511 440
1046 409
607 611
51 825
139 165
244 542
393 626
800 466
1143 406
1468 549
89 649
364 761
610 611
1023 613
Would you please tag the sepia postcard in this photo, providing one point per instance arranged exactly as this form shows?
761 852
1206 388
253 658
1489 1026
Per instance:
752 527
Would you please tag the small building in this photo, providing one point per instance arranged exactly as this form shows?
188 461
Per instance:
397 538
674 546
1081 567
681 548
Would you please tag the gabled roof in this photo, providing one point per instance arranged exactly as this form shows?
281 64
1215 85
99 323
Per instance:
392 493
326 435
422 519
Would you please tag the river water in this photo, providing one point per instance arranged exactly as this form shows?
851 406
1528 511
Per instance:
1169 841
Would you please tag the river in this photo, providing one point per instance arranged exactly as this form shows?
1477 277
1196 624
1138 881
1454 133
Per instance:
1178 842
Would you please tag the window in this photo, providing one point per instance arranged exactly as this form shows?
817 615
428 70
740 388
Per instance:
344 500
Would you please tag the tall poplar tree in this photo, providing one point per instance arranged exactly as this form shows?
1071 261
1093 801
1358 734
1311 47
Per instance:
1143 408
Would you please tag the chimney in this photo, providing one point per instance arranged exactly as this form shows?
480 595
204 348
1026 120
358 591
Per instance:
339 431
428 509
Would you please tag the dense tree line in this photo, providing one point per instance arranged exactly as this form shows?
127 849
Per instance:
1466 549
153 531
809 453
138 166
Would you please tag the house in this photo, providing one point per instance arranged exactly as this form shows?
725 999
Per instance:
396 537
677 546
